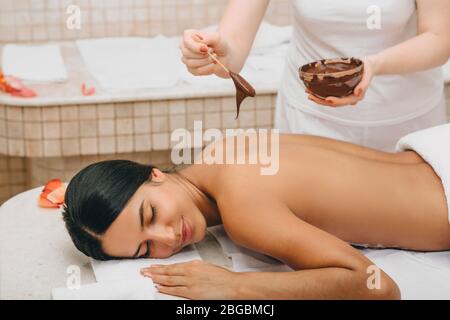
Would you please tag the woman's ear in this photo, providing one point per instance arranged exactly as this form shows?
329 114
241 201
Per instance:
158 175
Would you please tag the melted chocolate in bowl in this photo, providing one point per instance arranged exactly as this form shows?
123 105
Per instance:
332 77
243 90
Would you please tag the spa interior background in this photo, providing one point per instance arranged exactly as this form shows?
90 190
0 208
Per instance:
57 133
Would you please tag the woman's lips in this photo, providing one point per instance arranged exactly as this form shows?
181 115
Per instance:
187 232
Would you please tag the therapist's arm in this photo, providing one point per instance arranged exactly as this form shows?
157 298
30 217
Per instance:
238 27
429 49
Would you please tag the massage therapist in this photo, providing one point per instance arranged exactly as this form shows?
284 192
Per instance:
402 43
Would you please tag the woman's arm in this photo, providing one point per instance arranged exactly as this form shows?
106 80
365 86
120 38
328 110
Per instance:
238 27
429 49
327 267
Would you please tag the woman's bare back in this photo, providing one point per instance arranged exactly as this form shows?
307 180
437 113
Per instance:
357 194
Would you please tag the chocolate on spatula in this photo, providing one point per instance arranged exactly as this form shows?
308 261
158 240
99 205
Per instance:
243 88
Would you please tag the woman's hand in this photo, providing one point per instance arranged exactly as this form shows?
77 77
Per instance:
196 279
194 48
358 93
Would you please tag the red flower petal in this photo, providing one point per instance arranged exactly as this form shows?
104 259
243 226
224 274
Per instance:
52 185
44 203
87 91
57 195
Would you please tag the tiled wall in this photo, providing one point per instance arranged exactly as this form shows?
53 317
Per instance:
41 20
123 127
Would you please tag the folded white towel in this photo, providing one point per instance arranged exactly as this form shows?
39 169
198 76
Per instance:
34 63
433 145
137 289
131 63
112 270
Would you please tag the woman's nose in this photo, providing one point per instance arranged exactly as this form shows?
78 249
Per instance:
165 235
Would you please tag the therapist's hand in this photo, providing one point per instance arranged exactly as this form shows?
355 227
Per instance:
358 93
194 49
196 279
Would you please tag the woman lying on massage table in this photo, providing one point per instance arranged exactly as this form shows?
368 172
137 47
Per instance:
325 195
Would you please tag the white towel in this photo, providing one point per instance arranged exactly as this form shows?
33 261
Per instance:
418 275
122 64
433 145
137 289
112 270
243 259
34 63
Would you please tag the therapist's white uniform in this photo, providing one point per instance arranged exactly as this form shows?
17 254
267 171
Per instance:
394 105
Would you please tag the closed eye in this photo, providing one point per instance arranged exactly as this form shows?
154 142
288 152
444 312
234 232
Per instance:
152 220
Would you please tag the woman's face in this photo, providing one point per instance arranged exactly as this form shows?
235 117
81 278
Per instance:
158 221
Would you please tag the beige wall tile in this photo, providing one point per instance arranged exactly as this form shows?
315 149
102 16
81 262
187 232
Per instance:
15 129
264 118
105 111
107 145
32 130
16 147
191 118
52 130
3 128
69 113
106 127
142 109
177 106
264 102
14 113
50 114
3 146
52 148
212 120
228 120
125 143
177 122
89 146
70 129
194 105
212 105
160 141
160 107
142 125
247 119
32 114
87 112
70 147
34 148
160 124
88 128
142 142
124 110
124 126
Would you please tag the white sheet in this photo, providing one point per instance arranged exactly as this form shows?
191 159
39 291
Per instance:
418 275
131 63
34 63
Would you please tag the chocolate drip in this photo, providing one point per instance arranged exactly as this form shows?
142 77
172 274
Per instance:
243 90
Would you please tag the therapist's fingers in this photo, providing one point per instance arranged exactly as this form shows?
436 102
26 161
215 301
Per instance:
189 54
335 102
192 42
345 101
196 63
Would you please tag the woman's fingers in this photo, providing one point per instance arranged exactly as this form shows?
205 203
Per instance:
174 291
193 43
169 281
204 70
196 63
335 102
